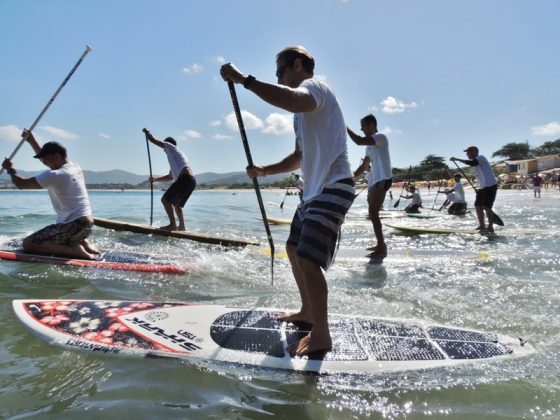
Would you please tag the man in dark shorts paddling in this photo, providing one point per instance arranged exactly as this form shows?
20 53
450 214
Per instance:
183 178
321 153
487 187
65 183
379 177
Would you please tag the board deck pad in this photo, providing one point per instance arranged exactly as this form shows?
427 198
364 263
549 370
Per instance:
256 337
150 230
108 260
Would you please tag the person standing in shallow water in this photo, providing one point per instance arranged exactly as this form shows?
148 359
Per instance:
487 187
184 182
379 177
321 153
67 190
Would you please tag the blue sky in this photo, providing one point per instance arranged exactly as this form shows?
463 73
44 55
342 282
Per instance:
439 75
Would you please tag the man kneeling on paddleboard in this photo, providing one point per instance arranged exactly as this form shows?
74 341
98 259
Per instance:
67 189
416 203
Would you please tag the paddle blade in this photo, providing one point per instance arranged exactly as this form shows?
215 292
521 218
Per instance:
498 220
397 203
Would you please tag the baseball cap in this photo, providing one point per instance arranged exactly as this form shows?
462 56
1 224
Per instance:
471 148
51 148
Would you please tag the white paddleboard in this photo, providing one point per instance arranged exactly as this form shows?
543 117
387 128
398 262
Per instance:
449 231
255 337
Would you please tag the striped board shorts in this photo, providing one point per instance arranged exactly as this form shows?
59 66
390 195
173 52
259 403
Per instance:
316 223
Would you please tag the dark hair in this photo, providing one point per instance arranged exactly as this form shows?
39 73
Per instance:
370 118
290 54
171 140
51 148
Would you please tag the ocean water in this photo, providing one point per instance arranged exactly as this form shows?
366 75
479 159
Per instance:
507 284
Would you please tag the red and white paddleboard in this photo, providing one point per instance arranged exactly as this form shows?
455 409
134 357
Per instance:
255 337
111 261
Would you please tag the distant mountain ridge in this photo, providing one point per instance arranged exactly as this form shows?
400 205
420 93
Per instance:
117 176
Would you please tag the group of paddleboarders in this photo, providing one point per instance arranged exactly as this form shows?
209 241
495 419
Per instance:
69 197
320 152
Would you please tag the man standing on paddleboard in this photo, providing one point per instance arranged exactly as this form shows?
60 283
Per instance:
380 176
67 190
183 179
321 153
487 187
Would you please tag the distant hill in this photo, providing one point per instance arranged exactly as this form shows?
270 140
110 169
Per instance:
117 176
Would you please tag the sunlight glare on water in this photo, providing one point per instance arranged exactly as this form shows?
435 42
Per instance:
506 284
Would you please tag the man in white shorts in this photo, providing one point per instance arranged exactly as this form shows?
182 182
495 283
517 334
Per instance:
67 190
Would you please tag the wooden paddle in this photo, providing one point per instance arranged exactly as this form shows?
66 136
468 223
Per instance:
151 183
255 182
437 193
497 218
286 193
32 127
404 184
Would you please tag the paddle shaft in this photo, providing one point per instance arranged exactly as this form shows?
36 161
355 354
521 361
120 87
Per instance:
32 127
497 218
237 110
151 183
286 193
404 185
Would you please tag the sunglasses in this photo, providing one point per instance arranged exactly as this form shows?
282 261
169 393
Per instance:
280 70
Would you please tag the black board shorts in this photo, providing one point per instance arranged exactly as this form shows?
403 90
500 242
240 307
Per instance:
180 191
485 196
316 223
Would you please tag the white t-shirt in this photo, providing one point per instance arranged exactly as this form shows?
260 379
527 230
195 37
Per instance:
379 159
459 192
484 173
321 136
299 184
67 190
416 199
177 159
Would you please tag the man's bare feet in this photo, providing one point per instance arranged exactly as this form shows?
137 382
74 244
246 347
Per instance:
310 344
89 247
181 228
169 227
83 254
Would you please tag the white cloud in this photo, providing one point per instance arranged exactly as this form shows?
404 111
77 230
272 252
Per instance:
321 78
104 136
219 136
59 132
393 105
389 130
215 123
250 121
189 134
219 59
10 132
277 123
193 69
550 129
